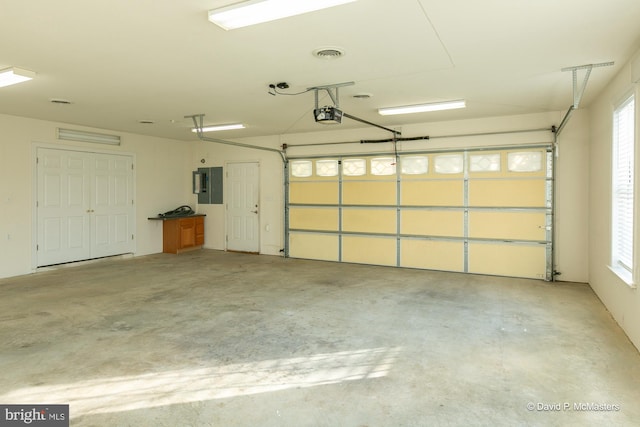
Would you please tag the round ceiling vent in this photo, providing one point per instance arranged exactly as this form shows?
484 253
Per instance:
329 52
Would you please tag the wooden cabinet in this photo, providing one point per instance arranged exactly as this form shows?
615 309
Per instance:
182 234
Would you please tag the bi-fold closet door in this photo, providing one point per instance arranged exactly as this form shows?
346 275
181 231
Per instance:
474 211
85 205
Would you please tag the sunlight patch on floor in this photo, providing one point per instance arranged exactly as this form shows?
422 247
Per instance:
155 389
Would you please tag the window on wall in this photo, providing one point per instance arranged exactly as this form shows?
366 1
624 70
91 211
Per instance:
623 190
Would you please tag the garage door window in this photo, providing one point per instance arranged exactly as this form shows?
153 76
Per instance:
415 165
484 163
383 166
449 163
327 167
301 168
529 161
354 167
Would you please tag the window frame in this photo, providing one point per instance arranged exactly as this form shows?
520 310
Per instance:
627 273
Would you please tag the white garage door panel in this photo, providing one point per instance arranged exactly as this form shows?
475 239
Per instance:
320 193
369 193
432 254
369 250
448 223
474 211
358 220
324 247
508 260
507 225
432 193
320 219
508 193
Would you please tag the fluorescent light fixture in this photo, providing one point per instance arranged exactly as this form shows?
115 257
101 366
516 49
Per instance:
82 136
215 128
12 76
434 106
258 11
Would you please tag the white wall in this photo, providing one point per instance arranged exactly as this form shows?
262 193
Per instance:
572 199
271 191
571 256
163 178
622 301
161 184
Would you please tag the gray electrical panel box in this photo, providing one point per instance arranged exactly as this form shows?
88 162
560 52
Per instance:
207 184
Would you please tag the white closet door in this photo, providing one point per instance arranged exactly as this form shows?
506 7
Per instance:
84 205
112 205
63 206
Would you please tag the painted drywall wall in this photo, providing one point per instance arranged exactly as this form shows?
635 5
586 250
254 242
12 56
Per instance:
571 256
622 301
572 198
271 197
161 184
163 178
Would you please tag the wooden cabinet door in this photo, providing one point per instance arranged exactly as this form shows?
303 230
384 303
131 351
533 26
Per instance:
187 233
199 231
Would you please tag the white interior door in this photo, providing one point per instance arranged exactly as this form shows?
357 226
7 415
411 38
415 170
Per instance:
84 205
112 205
243 212
63 206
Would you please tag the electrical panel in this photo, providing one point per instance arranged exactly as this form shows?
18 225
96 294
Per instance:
207 184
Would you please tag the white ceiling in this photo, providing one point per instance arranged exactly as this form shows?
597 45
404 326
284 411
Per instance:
121 61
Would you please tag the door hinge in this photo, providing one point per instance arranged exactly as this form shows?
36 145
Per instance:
132 237
37 160
37 247
132 203
131 166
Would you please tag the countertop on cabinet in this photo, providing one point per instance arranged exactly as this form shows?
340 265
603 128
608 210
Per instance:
165 218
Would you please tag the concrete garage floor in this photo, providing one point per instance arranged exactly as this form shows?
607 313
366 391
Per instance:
209 338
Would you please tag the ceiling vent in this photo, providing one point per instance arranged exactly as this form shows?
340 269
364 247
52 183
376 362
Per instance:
329 52
60 101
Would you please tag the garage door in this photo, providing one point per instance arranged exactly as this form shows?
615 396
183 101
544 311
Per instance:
472 211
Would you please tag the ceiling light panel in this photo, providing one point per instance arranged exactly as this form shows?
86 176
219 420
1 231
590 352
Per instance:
215 128
422 108
258 11
12 76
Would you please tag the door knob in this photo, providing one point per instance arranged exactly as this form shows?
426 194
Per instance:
256 211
